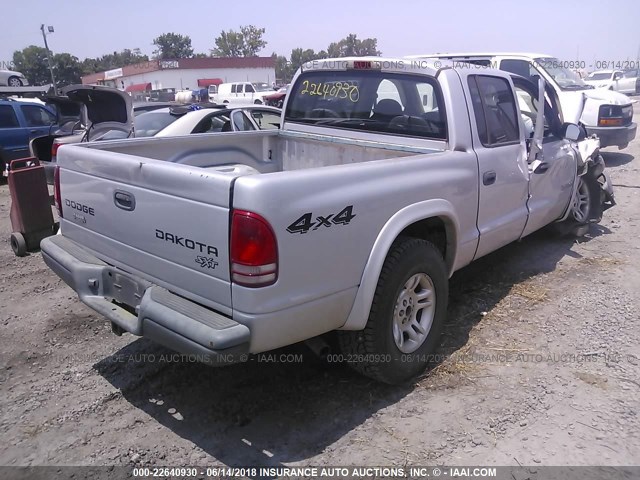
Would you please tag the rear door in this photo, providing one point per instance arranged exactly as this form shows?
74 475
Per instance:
14 138
165 222
627 84
503 176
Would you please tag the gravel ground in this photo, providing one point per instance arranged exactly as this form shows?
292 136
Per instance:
540 364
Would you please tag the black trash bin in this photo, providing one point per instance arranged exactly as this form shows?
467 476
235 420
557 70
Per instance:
31 217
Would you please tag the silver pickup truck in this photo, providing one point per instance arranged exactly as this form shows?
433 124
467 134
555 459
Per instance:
385 177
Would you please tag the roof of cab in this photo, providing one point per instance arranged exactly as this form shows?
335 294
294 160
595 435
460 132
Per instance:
382 63
483 54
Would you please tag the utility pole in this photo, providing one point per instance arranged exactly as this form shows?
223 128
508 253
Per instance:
46 46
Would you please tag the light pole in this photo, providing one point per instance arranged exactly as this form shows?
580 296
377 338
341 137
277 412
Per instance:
46 46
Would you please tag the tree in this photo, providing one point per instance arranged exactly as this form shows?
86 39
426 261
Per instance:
352 46
173 45
32 63
67 69
283 72
113 60
245 43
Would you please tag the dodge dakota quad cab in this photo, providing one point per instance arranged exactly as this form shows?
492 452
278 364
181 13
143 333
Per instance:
604 113
382 181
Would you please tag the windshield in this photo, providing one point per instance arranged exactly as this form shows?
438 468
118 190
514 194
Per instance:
599 76
368 101
565 78
262 87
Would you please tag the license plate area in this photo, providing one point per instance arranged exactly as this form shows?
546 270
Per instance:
123 287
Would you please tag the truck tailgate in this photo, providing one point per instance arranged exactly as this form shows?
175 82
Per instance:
168 223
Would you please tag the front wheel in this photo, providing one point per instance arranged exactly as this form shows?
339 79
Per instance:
408 310
587 206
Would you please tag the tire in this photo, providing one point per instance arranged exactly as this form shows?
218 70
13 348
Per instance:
587 207
382 350
257 102
18 244
592 200
14 82
3 166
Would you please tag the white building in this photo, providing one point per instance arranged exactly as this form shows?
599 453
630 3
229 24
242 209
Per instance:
185 73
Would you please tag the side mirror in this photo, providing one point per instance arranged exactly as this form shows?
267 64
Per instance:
617 76
572 132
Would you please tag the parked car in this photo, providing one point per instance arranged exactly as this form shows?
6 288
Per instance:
630 82
11 78
604 79
607 114
187 120
276 99
242 93
20 122
351 217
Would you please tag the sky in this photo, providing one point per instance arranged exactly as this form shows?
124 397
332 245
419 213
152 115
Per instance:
588 30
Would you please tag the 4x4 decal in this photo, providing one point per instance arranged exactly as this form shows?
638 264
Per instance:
306 223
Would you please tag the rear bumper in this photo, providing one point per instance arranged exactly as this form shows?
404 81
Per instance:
144 309
614 136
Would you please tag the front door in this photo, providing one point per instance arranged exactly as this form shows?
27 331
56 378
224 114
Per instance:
551 163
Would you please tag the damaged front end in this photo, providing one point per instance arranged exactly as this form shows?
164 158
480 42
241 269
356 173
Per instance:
593 190
590 162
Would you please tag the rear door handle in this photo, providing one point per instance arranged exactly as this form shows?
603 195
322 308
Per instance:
124 200
489 178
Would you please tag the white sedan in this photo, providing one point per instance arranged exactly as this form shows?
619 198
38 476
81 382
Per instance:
186 120
10 78
623 82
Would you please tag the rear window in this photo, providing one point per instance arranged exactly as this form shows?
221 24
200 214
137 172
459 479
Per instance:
371 101
599 76
148 124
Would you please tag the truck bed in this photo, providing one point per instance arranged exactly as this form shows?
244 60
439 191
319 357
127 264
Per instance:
263 152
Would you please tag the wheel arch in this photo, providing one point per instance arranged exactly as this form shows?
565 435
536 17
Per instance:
433 220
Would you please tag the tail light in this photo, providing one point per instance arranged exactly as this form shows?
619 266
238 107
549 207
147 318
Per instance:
54 149
56 191
254 250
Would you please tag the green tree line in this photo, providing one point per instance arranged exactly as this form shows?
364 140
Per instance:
248 41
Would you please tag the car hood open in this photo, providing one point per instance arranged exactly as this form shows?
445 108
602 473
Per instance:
106 108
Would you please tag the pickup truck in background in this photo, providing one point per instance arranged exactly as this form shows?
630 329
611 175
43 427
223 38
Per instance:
383 180
605 113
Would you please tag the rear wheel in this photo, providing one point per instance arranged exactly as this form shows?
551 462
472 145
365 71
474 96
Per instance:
406 317
14 82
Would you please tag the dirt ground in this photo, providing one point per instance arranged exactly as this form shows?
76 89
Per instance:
540 366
